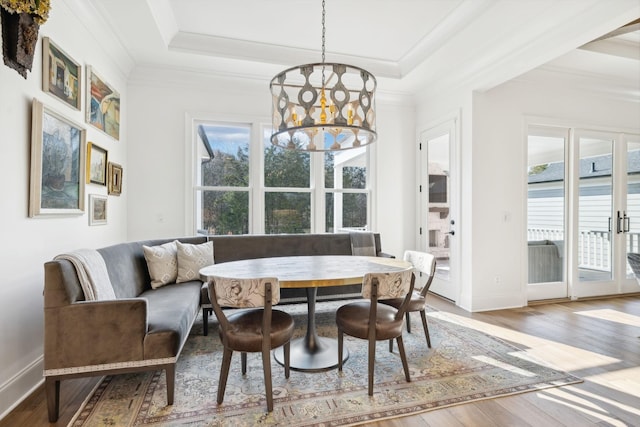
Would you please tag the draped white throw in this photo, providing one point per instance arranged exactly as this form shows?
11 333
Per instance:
92 273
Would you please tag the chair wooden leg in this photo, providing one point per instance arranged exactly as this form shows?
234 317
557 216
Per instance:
423 314
340 336
266 367
224 373
170 373
403 357
391 345
406 316
243 358
372 362
205 321
52 387
287 358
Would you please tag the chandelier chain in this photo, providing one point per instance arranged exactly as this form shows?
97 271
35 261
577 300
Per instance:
323 29
337 113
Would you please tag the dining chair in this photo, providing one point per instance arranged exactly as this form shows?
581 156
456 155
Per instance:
634 262
366 319
259 328
424 263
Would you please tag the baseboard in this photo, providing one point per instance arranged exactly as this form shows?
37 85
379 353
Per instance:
21 386
568 300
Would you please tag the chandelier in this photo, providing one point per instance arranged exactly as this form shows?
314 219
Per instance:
323 106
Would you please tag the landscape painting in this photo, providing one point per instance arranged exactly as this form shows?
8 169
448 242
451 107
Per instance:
57 164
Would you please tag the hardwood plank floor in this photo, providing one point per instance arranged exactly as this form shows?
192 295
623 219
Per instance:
596 340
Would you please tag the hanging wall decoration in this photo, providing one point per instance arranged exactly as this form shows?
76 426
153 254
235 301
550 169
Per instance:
21 20
61 75
103 104
57 164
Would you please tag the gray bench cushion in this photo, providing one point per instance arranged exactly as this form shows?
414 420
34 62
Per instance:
172 310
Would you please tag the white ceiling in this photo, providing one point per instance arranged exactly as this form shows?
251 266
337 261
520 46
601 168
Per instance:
407 44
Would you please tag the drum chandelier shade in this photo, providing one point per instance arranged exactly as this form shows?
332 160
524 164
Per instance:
323 106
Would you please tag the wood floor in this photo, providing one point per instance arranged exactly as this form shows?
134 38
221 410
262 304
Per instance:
596 340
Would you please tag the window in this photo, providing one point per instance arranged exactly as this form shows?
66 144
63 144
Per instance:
287 189
222 179
243 184
347 198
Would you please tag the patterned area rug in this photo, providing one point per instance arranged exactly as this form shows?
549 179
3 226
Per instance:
463 365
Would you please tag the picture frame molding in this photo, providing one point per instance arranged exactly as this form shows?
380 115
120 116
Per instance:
39 110
94 212
114 172
93 149
90 72
47 44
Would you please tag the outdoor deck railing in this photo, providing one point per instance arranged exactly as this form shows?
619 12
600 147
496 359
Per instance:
594 247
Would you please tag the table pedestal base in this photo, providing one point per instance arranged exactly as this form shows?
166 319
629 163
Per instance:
322 357
312 353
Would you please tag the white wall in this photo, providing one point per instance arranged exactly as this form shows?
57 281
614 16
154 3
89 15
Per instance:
29 242
159 101
493 173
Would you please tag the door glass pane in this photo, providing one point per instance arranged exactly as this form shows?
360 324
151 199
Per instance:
632 221
545 208
595 219
438 218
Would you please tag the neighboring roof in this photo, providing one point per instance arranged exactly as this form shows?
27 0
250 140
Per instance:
590 167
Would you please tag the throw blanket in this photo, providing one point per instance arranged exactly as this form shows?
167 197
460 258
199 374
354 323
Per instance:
362 243
92 272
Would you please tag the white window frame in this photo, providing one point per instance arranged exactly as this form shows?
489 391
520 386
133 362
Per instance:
256 187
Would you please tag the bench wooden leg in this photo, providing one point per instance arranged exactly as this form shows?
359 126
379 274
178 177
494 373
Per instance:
205 321
52 389
170 372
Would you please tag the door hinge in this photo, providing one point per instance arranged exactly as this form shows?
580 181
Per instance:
421 231
420 188
420 146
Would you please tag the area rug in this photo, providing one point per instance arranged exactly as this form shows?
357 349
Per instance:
463 365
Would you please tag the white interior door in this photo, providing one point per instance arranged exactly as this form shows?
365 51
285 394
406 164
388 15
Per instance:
438 206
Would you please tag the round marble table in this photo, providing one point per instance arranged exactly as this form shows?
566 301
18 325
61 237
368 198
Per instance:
310 353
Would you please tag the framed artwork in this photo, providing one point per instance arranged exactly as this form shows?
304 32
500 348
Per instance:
103 105
57 164
96 164
61 75
97 209
115 179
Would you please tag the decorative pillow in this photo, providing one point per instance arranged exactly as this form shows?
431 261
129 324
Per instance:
191 258
162 262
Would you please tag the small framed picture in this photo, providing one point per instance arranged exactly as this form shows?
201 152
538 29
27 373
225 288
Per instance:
103 105
57 164
61 75
115 179
96 164
97 209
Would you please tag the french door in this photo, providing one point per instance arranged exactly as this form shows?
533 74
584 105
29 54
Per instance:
438 211
583 211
